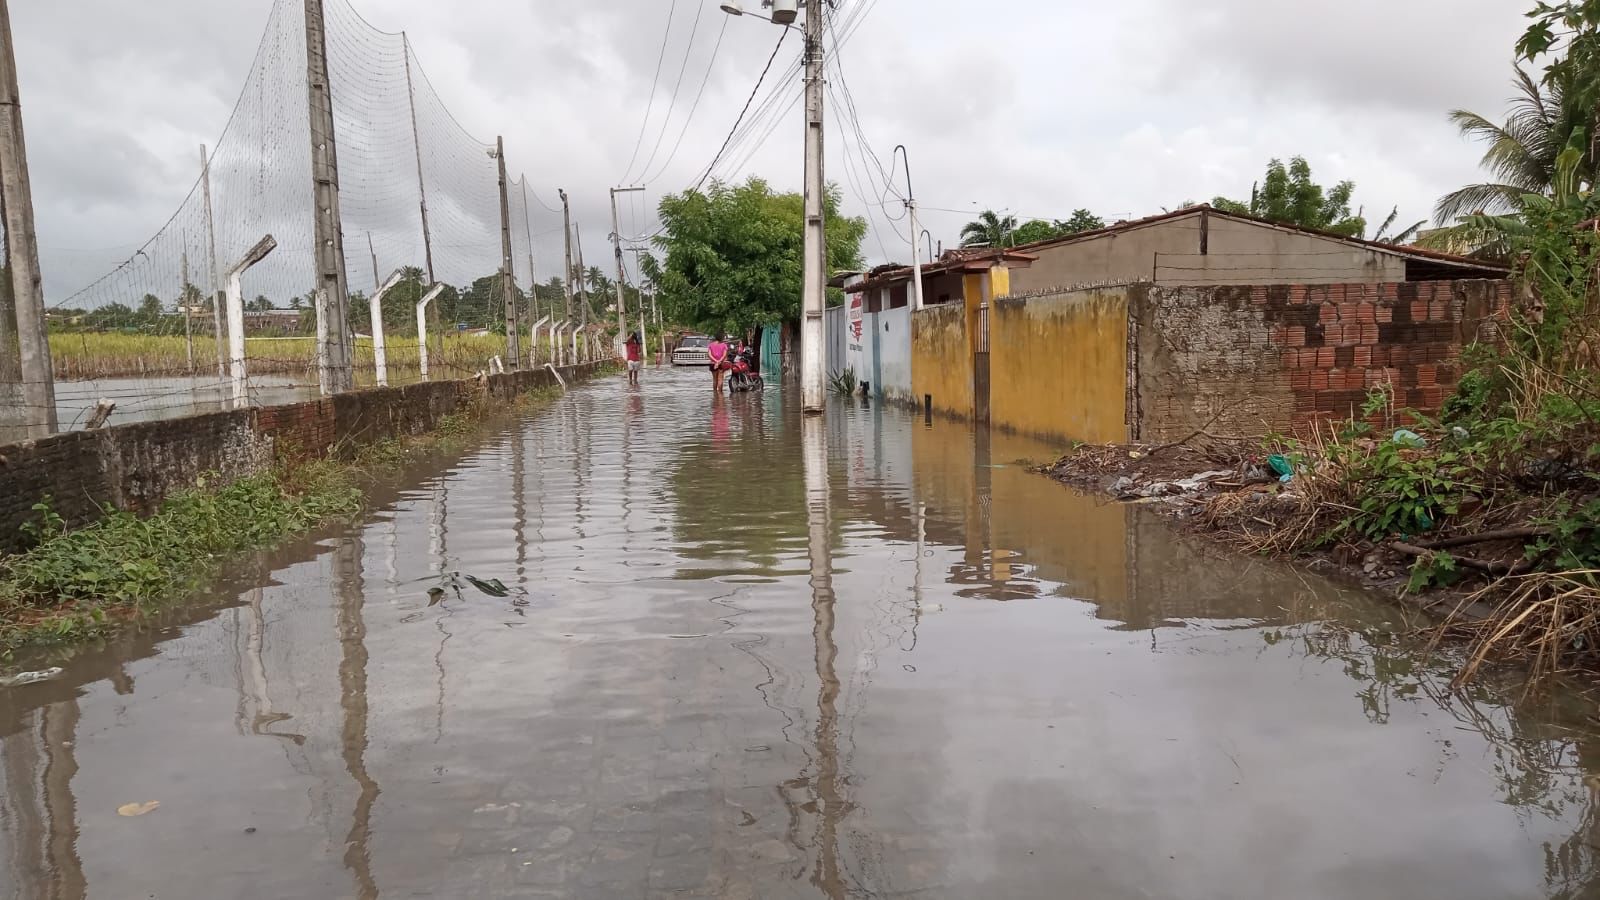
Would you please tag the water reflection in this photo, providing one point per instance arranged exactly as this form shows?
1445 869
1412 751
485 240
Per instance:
769 656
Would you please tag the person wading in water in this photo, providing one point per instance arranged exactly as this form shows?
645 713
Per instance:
718 351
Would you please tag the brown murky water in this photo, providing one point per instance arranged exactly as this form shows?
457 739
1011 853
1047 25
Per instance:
739 657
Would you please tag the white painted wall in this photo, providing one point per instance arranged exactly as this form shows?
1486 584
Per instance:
894 354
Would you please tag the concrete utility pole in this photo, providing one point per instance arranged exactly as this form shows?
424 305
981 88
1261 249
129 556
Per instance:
333 296
655 308
422 196
566 224
214 289
916 233
533 279
508 285
813 341
583 276
183 310
22 246
376 278
616 244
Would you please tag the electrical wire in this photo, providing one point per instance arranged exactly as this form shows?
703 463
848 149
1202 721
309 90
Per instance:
689 119
655 81
740 119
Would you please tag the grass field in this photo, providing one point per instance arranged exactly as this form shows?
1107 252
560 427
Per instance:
105 354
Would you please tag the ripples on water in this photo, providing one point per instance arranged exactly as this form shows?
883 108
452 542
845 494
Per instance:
915 669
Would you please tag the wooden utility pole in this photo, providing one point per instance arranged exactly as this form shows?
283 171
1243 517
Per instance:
566 225
212 272
508 284
22 246
333 297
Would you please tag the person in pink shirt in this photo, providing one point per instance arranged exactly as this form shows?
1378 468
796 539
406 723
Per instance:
718 351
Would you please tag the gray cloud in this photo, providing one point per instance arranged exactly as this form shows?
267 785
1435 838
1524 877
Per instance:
1122 108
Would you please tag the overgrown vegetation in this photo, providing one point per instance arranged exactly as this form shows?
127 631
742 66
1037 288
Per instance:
76 584
1500 495
73 584
79 355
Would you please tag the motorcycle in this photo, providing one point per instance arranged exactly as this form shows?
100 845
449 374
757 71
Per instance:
743 373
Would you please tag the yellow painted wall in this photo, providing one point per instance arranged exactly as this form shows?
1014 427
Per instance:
1059 365
941 361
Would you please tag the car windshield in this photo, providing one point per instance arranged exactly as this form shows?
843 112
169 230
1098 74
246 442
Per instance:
695 343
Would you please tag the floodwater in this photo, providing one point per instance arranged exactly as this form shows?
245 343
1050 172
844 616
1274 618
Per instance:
740 656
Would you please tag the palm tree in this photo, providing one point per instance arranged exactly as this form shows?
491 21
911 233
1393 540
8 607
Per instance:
1523 155
1403 236
990 230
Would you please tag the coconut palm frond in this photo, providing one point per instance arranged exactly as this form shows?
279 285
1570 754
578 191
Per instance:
1473 198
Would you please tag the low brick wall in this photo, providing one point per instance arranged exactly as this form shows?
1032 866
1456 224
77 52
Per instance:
136 466
1250 360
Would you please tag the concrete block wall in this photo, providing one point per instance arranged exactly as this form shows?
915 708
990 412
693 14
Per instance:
136 466
1059 365
1247 360
941 360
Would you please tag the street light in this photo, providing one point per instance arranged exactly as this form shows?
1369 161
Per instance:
784 12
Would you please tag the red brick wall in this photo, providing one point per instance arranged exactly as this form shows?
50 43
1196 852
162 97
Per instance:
1249 360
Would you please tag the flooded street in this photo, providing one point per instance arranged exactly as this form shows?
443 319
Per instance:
645 644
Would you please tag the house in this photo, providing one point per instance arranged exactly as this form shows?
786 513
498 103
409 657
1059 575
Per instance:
1200 245
871 334
1184 320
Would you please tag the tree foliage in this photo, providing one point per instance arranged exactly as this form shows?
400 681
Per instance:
1288 194
733 254
991 229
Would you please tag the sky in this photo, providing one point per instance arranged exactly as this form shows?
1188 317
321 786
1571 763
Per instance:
1036 109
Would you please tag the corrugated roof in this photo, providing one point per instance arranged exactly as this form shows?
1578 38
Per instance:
951 261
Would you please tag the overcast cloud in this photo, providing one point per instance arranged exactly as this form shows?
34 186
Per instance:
1038 109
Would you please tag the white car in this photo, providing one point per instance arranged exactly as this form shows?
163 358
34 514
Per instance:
692 351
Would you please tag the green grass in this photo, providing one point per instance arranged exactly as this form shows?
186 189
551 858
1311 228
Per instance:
95 354
77 584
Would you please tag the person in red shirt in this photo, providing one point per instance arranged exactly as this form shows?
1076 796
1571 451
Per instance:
635 350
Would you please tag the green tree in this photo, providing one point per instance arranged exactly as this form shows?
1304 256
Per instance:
150 309
733 254
259 304
1035 230
1029 232
189 299
111 315
1521 154
990 230
1288 194
1080 221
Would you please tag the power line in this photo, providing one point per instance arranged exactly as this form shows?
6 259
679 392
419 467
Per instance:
763 77
694 106
688 50
654 82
